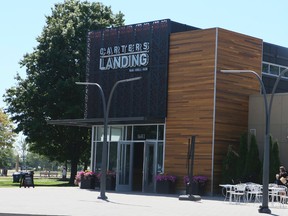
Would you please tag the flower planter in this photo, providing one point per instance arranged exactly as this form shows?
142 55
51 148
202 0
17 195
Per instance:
110 180
165 183
197 186
87 183
165 187
196 189
110 183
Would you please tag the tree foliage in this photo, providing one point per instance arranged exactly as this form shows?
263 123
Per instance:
49 90
274 159
229 166
7 158
40 162
253 168
7 139
7 136
242 164
243 150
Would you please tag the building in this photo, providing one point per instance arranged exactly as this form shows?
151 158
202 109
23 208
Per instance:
181 93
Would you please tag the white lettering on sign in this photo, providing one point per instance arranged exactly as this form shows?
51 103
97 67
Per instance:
124 56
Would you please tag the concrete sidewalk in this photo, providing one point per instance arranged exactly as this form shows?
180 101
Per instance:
74 201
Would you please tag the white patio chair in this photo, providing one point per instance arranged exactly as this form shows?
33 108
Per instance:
283 201
239 191
276 191
254 190
283 195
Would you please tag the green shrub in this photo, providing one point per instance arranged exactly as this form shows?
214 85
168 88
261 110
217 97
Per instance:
229 166
243 150
274 160
253 168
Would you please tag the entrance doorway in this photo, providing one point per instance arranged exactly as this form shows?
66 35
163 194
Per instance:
124 166
136 165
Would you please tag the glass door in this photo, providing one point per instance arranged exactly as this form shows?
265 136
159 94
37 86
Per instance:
124 166
149 166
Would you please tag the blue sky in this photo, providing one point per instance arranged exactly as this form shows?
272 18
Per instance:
22 21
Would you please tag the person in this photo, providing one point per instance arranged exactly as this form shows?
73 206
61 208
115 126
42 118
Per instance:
281 177
64 172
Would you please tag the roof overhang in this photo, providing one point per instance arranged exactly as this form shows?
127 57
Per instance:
99 121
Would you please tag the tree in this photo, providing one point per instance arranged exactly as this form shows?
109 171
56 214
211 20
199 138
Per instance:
40 162
49 90
23 151
7 136
241 162
253 164
7 139
229 166
274 160
7 158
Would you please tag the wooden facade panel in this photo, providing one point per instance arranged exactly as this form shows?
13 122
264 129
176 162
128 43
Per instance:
191 90
190 101
238 52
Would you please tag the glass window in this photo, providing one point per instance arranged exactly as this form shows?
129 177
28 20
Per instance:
113 156
100 133
160 132
116 133
160 157
99 147
145 132
265 68
129 133
274 69
285 74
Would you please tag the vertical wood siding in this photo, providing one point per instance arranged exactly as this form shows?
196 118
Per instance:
190 101
235 51
191 90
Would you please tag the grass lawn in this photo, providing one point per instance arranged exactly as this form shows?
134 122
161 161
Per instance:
8 182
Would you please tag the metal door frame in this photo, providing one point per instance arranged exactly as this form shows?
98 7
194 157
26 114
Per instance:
119 156
145 165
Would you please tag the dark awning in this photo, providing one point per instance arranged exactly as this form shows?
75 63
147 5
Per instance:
99 121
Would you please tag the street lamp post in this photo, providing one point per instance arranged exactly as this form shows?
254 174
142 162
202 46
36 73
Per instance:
106 120
265 178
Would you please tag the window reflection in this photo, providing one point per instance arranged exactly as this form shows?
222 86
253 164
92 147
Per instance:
112 156
265 68
145 132
269 68
121 133
160 157
274 69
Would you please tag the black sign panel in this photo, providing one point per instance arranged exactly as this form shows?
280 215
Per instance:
114 54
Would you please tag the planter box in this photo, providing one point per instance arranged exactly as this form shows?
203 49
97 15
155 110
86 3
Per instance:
196 189
110 183
88 183
165 187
